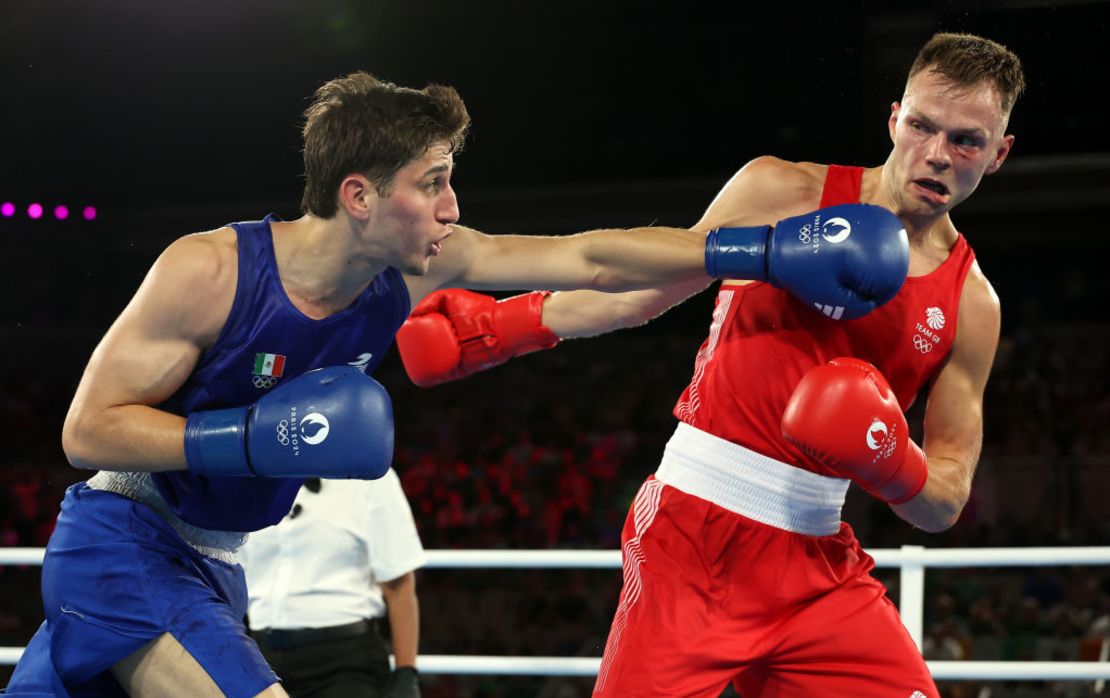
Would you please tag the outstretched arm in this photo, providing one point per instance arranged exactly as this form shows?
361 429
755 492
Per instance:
765 190
843 278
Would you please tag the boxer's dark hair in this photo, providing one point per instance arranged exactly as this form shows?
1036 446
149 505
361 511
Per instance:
966 60
359 123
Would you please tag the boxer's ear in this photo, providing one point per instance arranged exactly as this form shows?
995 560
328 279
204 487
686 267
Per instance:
1004 147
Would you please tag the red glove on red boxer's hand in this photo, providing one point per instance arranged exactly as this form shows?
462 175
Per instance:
845 416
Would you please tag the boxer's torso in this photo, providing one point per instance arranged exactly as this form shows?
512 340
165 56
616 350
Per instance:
264 341
762 340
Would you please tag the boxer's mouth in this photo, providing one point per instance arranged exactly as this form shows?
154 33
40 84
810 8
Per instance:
932 184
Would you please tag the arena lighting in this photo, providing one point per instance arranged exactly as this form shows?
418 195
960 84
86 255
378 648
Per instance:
37 211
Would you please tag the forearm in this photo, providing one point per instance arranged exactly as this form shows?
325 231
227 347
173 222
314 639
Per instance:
572 314
125 437
404 620
641 258
939 504
611 260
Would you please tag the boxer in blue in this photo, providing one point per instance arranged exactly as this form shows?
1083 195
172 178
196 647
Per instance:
241 366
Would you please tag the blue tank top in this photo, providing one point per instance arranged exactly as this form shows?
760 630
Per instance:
265 341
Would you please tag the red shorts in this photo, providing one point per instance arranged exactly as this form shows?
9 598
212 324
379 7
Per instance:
712 597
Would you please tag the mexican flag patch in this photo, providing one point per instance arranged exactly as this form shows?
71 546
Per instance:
269 365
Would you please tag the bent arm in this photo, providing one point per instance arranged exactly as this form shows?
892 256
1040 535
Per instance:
404 617
954 413
146 355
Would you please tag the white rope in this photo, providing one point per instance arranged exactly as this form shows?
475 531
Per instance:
911 559
21 556
587 666
578 666
611 559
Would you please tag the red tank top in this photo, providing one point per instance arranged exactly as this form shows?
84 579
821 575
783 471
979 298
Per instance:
762 340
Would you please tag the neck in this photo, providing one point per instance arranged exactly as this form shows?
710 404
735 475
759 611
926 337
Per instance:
323 263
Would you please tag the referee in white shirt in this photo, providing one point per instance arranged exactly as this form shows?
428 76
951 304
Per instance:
319 581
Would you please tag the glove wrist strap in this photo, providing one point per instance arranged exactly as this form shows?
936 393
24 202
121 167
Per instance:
737 253
216 443
519 324
911 476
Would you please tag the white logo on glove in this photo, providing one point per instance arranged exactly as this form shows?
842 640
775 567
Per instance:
839 228
876 434
314 428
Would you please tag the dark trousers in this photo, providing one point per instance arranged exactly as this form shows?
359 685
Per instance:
353 666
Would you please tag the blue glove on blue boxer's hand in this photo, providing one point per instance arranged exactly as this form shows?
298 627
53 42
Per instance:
844 261
334 422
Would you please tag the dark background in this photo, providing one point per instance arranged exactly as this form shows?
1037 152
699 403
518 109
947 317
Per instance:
145 105
177 117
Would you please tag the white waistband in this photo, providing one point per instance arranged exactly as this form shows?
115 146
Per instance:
751 484
220 545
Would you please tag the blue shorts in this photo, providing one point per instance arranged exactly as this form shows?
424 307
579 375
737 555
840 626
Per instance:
117 576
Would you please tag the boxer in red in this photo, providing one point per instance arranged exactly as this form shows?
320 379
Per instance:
737 567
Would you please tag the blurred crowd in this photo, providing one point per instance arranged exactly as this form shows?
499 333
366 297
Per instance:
548 451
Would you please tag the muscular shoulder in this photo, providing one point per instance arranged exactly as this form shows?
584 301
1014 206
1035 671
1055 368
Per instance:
202 256
784 175
193 281
980 317
979 297
765 190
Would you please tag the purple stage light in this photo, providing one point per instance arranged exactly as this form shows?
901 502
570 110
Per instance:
61 212
35 211
7 209
89 213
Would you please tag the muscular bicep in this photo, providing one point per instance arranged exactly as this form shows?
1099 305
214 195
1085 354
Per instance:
148 353
954 414
141 360
954 417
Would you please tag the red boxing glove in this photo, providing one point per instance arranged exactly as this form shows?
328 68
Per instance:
845 416
454 333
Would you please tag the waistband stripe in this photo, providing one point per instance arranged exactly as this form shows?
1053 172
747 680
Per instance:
751 484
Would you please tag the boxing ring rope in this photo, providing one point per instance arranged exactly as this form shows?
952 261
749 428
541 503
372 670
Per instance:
911 559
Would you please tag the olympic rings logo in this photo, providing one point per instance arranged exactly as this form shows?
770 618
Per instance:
922 344
264 382
805 234
283 432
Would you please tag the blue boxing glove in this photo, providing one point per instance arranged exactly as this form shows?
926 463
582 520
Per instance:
334 422
843 261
